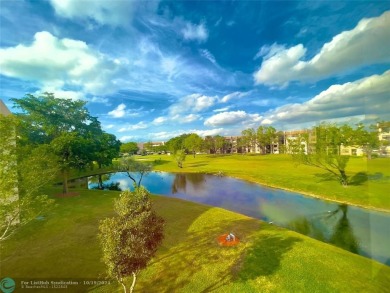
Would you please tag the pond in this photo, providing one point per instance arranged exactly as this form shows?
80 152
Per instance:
358 230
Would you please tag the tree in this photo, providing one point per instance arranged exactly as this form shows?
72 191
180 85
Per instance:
63 123
129 147
130 165
209 144
193 142
248 139
176 143
368 140
325 154
131 238
220 143
270 137
74 152
107 149
24 171
180 157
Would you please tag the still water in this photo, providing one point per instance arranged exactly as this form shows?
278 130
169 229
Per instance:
358 230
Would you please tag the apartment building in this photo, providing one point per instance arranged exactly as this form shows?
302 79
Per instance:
384 138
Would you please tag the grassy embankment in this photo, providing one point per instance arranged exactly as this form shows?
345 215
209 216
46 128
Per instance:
268 259
369 179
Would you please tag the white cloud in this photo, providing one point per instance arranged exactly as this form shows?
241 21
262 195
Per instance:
137 126
192 103
61 94
57 62
195 32
126 138
159 120
367 96
190 118
208 132
119 111
231 118
367 43
169 66
235 95
114 13
221 109
99 100
207 54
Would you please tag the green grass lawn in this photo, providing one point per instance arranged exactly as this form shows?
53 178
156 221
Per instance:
268 259
369 187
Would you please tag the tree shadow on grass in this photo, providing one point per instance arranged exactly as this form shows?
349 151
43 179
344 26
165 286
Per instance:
159 162
198 261
264 257
358 179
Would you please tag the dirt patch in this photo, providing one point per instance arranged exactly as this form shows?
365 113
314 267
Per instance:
223 241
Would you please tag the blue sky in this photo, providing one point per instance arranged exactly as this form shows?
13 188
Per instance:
151 70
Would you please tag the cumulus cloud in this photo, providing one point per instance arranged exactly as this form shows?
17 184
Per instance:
367 96
119 111
58 62
367 43
194 32
115 13
231 118
192 103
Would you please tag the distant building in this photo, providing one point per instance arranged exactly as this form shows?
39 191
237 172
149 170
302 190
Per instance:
384 137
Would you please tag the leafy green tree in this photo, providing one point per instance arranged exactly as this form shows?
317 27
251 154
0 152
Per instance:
131 238
193 143
64 124
325 154
367 138
129 147
148 146
208 144
270 137
24 171
130 165
248 138
220 143
180 157
176 143
74 152
107 149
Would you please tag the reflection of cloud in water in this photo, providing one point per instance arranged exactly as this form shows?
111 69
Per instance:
124 184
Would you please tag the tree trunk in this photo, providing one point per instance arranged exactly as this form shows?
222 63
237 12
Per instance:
132 285
123 285
344 178
65 181
100 184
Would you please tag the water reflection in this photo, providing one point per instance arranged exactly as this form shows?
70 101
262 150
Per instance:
341 235
196 181
358 230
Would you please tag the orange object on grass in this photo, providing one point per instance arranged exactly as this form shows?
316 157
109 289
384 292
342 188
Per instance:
222 240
